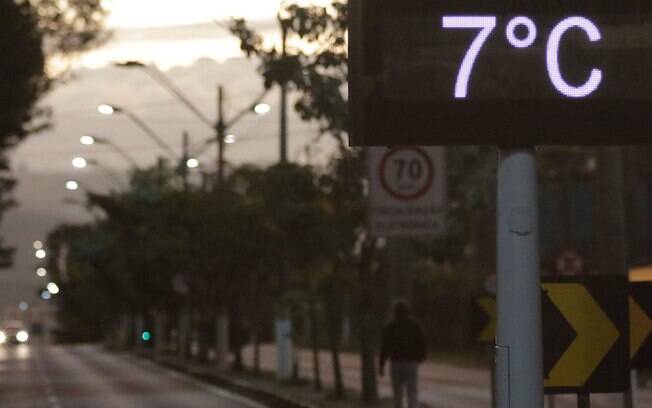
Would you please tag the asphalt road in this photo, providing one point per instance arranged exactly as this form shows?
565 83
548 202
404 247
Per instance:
88 377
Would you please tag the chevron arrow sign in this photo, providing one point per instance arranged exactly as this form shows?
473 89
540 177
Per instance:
586 335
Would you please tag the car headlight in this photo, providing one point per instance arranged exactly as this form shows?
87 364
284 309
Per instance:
3 337
22 336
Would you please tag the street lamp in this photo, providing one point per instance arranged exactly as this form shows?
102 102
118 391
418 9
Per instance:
106 109
192 163
72 185
53 288
81 163
88 140
41 272
220 127
160 78
262 109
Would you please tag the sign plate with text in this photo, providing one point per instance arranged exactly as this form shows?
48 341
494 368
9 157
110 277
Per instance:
408 190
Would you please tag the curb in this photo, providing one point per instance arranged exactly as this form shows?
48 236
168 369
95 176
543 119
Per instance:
244 388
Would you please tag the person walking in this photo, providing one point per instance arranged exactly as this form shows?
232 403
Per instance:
403 343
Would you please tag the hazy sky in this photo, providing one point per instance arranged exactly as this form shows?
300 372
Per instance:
154 13
137 14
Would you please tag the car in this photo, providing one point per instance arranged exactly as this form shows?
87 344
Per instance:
13 332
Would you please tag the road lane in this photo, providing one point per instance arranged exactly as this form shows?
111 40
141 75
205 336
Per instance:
88 377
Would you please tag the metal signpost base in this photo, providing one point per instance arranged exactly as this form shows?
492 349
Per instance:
519 349
583 400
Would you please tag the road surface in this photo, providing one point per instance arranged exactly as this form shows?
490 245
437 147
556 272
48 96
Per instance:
88 377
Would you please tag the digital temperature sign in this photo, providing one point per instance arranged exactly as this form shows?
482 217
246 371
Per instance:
443 72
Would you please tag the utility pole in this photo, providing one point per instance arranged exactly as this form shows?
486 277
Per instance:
284 97
185 148
612 245
286 363
220 128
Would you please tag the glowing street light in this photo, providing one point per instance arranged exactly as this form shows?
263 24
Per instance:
45 295
262 109
106 109
229 139
22 336
41 272
53 288
87 140
40 254
79 162
37 244
72 185
192 163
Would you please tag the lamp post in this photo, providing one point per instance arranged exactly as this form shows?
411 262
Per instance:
81 163
221 125
72 185
89 140
107 109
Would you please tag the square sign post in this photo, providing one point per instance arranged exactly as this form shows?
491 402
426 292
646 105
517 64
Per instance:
511 74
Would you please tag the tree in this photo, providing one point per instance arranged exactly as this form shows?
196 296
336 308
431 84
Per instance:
320 75
30 32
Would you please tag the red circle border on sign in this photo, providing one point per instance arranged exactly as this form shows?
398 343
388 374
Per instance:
421 192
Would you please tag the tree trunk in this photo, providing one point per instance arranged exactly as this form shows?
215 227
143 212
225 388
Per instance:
257 321
184 329
314 338
334 329
256 351
221 338
160 331
237 335
367 325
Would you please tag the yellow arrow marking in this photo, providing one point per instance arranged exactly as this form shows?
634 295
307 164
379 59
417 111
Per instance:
640 326
596 335
489 332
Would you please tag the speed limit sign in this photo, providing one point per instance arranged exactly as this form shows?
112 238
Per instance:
406 173
408 190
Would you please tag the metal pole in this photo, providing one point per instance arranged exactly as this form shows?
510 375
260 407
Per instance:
583 400
184 160
283 322
284 101
122 152
613 240
115 177
221 134
492 380
143 126
519 348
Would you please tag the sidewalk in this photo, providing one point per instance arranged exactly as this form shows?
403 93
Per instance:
441 385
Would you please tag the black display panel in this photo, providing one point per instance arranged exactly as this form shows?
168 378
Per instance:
472 72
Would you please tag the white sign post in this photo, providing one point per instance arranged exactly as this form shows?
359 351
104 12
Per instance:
407 191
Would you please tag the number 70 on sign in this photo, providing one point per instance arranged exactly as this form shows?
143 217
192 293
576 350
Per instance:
487 24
